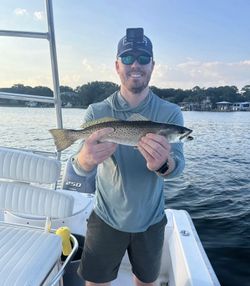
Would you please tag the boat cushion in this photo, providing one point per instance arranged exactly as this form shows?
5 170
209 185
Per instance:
25 198
28 167
26 255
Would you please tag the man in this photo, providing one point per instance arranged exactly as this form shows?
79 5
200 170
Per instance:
128 212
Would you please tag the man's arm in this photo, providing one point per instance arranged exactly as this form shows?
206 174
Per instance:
156 149
94 152
85 166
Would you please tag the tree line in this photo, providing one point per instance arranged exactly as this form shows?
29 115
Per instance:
96 91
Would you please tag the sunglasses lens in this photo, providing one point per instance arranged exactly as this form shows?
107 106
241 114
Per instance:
144 60
130 59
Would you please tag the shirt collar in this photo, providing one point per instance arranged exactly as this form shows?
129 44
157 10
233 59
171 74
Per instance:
120 103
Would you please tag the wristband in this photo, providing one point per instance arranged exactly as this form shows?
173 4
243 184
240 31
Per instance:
163 169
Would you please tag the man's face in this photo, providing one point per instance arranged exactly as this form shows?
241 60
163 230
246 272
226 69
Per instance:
135 71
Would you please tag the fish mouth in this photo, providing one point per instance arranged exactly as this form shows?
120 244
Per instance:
187 135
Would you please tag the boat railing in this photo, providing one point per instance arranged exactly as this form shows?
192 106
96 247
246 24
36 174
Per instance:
50 36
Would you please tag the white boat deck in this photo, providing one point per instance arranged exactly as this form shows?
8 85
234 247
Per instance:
184 261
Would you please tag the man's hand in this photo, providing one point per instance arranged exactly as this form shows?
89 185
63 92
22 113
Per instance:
95 152
156 150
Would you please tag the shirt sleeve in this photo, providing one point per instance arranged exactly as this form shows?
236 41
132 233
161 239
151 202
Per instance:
88 178
177 154
177 148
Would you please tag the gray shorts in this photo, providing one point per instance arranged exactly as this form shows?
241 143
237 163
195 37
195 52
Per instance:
105 247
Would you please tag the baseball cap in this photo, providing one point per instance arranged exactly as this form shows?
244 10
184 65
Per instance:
135 40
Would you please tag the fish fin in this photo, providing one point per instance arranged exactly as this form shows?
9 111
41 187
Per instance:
62 138
97 121
137 117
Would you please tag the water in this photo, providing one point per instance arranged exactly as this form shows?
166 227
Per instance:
214 188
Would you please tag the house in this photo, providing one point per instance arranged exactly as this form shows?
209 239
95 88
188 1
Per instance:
224 106
241 106
204 105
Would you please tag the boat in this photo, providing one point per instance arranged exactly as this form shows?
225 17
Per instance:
184 261
37 208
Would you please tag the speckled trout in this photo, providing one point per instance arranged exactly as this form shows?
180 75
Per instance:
125 132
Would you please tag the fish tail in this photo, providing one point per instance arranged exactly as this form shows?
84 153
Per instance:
63 138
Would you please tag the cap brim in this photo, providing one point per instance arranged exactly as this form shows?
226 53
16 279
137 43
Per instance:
135 50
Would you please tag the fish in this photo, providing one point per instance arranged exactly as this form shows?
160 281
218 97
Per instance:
125 132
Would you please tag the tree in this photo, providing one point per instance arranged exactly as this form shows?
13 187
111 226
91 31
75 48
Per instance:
42 91
245 92
95 91
65 88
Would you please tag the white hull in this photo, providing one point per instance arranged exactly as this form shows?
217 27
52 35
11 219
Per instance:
184 260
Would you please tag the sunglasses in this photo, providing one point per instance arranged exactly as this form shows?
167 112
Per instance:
130 59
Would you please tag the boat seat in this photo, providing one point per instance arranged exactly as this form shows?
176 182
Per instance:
28 170
28 199
28 167
29 255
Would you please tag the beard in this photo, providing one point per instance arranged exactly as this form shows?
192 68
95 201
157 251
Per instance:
136 85
137 89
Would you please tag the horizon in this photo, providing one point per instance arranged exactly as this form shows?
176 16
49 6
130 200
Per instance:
90 82
195 43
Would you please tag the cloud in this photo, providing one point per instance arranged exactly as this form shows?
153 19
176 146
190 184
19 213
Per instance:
98 70
183 75
88 71
39 15
88 67
204 74
20 12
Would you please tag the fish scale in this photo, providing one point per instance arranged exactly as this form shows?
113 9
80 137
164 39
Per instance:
125 132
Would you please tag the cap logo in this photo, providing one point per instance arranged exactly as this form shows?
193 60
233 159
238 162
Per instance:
135 40
125 42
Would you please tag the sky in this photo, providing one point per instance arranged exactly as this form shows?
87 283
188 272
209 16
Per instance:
195 42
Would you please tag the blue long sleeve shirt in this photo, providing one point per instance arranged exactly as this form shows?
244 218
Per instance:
129 197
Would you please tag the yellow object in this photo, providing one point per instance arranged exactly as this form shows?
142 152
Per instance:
64 233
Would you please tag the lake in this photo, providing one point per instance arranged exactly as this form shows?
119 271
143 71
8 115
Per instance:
214 188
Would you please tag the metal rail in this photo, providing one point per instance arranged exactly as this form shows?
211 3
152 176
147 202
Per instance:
27 97
37 35
59 275
50 36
